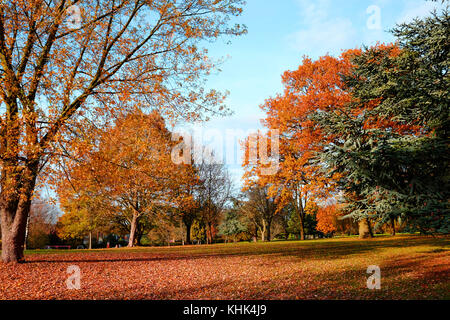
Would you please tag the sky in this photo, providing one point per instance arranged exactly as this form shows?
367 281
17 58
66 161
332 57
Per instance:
280 33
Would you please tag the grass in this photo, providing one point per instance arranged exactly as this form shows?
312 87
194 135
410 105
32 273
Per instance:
412 267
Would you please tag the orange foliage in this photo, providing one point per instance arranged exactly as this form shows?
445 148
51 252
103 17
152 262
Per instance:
56 77
327 218
315 85
129 170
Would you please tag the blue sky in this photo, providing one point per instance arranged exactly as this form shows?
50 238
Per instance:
280 33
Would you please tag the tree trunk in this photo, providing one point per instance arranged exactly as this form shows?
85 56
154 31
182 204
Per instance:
302 228
370 228
268 232
263 232
12 244
301 219
90 240
365 229
14 223
14 211
393 226
132 231
26 232
188 233
209 233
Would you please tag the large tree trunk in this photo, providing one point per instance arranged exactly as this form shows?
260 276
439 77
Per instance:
15 207
133 227
365 230
140 230
14 223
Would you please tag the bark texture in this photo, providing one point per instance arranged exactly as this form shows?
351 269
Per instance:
365 230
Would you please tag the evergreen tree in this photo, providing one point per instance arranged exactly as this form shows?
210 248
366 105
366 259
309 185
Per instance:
232 225
394 155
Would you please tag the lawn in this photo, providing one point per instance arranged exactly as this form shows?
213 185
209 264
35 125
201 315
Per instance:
412 267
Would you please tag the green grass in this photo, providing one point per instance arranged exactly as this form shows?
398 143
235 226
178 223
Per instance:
349 243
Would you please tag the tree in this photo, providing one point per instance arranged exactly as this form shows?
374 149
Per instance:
41 223
199 230
79 219
214 193
130 171
121 53
395 155
293 227
260 208
122 222
315 85
327 218
310 221
188 204
189 214
232 225
164 229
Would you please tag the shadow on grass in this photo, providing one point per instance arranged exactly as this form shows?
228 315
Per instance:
317 250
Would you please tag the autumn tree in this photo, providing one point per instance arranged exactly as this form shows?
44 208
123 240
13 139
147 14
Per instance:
327 217
199 231
121 222
65 60
187 203
207 186
130 171
165 229
261 209
189 213
82 215
41 223
315 85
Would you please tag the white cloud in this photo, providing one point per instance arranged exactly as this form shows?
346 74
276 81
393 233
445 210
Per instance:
322 34
416 9
325 37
